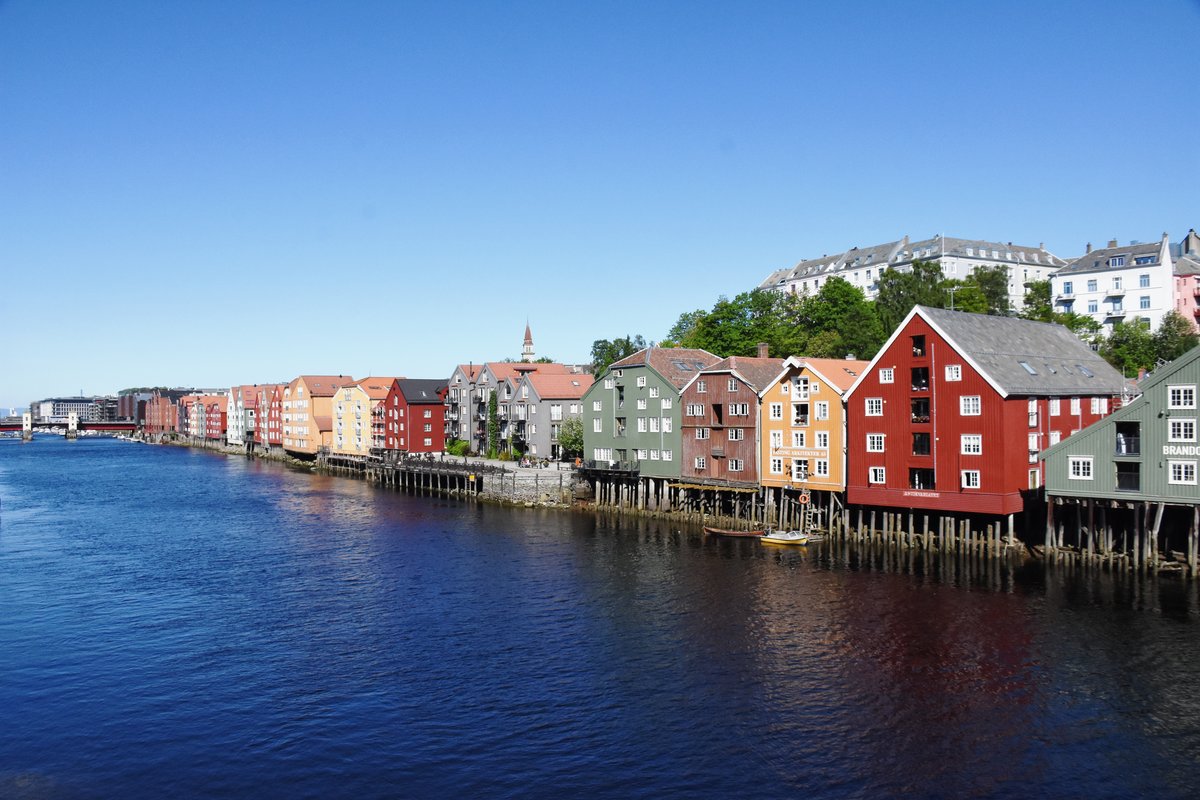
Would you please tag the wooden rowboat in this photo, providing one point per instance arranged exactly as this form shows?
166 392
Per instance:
786 537
728 532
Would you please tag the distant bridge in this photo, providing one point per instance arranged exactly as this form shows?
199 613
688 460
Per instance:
103 427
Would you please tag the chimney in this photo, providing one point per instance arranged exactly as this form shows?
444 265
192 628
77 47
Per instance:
1112 243
1089 249
764 350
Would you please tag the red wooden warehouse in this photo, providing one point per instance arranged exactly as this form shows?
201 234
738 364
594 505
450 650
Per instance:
414 416
951 413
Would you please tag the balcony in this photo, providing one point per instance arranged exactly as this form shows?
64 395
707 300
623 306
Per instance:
630 467
799 420
1129 480
1116 291
1115 313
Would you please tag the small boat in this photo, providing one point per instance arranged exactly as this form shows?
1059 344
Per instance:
786 537
728 532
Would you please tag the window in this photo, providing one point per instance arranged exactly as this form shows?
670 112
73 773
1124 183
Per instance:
1093 306
971 444
954 372
701 433
1093 285
602 453
776 466
736 434
654 393
1075 405
429 428
667 455
822 440
739 409
701 387
821 467
1079 468
641 424
800 469
876 475
597 425
641 404
1055 406
654 455
1181 397
1068 287
776 410
970 405
694 410
1182 472
608 383
1116 261
887 375
666 424
733 384
597 405
654 424
1099 405
641 381
874 406
736 464
701 462
643 455
970 479
776 440
1182 430
1144 301
666 401
798 439
875 442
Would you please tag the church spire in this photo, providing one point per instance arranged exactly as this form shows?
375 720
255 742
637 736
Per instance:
527 348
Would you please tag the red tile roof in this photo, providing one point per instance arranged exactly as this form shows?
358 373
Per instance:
560 387
677 364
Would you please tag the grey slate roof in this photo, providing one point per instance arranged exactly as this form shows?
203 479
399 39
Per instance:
1061 364
1097 260
1187 265
757 372
421 390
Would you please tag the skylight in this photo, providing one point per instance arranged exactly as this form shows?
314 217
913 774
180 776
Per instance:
1027 368
1087 372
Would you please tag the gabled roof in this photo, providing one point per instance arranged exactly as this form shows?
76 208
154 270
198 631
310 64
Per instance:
560 387
1097 260
417 391
376 387
1016 356
514 369
754 372
324 385
1187 265
840 373
677 365
324 422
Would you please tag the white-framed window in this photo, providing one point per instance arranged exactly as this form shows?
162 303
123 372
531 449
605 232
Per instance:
1100 405
815 387
641 381
798 438
1182 472
1055 437
701 462
887 375
1182 430
776 440
642 455
875 442
701 433
609 383
776 410
1055 406
733 384
799 469
597 405
1076 406
739 409
667 455
701 386
954 372
654 424
1144 301
602 454
776 466
428 442
822 409
641 404
654 393
822 440
654 455
970 479
694 410
970 405
666 403
971 444
666 424
876 475
641 424
874 407
736 434
1079 468
1144 278
821 467
597 425
736 464
1181 396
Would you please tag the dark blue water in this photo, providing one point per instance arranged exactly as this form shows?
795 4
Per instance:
175 623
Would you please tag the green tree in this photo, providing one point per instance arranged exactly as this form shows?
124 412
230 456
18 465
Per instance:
1129 348
966 296
605 352
900 290
1038 306
1174 337
570 437
841 322
493 426
736 327
681 332
1081 325
992 283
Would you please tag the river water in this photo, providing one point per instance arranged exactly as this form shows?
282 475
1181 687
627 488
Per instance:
178 623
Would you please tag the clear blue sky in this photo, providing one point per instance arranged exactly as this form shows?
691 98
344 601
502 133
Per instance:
221 192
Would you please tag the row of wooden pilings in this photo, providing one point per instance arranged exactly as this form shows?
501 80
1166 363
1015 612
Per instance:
1117 535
